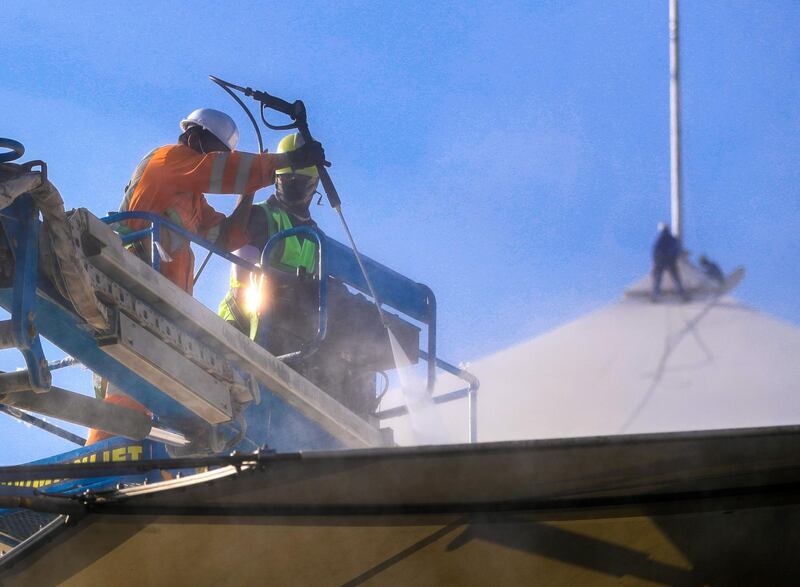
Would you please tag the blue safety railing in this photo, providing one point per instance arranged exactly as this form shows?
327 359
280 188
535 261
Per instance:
308 348
416 300
335 260
159 223
470 392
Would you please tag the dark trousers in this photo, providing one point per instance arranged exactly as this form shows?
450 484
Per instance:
658 272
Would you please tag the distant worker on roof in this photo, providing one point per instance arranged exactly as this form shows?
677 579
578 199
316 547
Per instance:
294 257
171 181
666 252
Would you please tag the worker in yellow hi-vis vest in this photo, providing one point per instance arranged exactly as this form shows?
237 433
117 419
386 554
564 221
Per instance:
251 296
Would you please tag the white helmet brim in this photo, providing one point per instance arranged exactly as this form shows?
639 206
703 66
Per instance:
217 123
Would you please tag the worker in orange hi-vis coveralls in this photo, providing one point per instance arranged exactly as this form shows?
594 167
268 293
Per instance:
171 180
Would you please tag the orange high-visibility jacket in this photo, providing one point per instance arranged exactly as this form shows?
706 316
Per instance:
171 180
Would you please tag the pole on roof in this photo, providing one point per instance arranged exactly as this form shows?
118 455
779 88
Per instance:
675 124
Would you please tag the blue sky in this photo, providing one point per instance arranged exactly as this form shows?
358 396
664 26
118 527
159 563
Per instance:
513 156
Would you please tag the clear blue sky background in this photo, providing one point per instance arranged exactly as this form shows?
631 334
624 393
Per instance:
513 156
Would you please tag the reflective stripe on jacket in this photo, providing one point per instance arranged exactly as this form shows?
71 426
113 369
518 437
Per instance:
171 180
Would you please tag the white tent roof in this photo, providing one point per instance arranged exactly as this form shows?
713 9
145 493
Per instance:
638 366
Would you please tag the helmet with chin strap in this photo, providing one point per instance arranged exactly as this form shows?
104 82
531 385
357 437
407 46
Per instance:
295 188
217 123
291 143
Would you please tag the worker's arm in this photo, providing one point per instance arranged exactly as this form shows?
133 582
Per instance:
215 227
221 172
234 172
257 234
233 229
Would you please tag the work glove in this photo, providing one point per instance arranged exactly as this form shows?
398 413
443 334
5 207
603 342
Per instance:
307 155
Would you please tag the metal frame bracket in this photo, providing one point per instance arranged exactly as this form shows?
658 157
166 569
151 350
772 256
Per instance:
22 229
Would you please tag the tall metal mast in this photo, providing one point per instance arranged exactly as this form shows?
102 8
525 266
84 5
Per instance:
675 124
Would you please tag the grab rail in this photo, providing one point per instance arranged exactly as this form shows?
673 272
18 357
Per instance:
158 223
415 299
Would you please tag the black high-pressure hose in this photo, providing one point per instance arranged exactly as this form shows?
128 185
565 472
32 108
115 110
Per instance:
222 84
252 118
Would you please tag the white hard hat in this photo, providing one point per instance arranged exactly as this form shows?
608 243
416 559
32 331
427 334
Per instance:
217 123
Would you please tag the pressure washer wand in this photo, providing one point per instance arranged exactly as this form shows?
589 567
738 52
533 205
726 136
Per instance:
336 204
361 265
299 115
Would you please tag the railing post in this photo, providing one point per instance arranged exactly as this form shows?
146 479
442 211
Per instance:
322 324
154 246
471 393
473 415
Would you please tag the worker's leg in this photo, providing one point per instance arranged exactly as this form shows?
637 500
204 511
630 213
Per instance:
676 279
658 273
180 270
116 396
